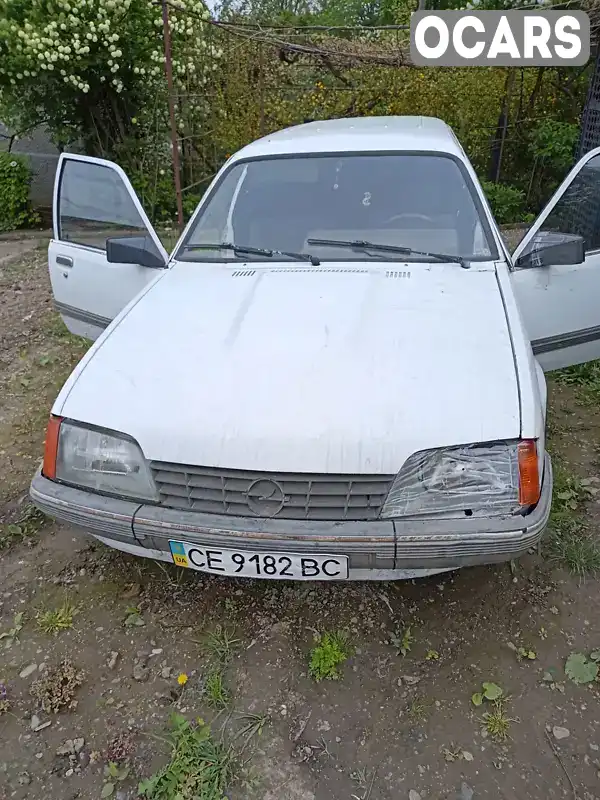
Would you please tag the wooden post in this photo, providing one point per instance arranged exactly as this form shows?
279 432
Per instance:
171 90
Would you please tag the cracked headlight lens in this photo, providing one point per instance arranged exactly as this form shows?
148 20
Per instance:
472 480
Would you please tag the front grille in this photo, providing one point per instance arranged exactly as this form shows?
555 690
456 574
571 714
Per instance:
273 495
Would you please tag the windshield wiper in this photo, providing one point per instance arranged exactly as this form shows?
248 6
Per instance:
254 251
387 248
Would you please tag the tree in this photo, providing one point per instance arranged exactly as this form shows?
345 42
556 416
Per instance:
87 69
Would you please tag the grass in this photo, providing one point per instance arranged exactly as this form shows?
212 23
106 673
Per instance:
419 710
325 659
199 768
585 378
497 724
26 527
569 542
217 694
220 644
54 620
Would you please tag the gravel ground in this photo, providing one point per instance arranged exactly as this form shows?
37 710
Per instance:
394 725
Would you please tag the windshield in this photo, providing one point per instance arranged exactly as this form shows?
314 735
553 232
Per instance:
421 201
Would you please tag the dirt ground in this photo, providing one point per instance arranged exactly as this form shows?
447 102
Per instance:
399 722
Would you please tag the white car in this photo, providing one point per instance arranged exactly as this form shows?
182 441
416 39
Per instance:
338 372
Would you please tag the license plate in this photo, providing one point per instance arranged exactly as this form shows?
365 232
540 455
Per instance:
248 564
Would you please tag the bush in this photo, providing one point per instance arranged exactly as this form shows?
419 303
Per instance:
15 179
507 202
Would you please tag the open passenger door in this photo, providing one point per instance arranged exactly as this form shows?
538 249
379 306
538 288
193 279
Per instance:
557 271
94 202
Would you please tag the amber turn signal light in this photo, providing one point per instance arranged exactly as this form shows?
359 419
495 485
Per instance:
51 447
529 474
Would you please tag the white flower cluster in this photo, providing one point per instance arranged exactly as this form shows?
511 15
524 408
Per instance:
99 35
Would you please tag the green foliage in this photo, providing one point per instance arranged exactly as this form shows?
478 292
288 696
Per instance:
199 768
333 649
113 774
217 693
507 202
497 724
403 642
580 669
15 179
87 69
54 620
27 525
12 634
569 542
489 691
555 142
586 380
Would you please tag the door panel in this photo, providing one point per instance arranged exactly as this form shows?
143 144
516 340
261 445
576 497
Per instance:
94 200
560 304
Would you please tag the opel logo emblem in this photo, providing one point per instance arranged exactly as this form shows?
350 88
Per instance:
265 497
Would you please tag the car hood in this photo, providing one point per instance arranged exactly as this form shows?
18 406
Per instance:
344 368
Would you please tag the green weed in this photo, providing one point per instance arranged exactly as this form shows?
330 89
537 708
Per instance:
333 649
58 619
217 693
220 644
199 768
12 634
569 542
404 641
586 380
26 527
497 724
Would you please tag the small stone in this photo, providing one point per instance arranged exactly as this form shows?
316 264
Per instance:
35 722
467 756
560 733
43 725
39 755
594 747
66 748
466 793
69 772
140 673
166 672
414 795
157 651
24 778
410 680
84 759
29 670
78 744
112 661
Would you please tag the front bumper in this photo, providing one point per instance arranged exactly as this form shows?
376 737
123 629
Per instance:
384 549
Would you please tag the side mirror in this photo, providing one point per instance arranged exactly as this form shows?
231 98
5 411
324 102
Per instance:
548 249
134 250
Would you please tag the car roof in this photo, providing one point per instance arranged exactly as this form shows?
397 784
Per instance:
358 134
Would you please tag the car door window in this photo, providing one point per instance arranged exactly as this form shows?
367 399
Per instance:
577 211
94 204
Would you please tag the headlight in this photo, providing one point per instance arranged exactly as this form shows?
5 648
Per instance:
492 479
107 462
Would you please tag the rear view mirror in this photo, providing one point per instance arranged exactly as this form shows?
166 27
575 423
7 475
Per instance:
134 250
548 249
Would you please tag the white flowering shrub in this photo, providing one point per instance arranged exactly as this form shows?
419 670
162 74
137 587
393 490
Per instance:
89 69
